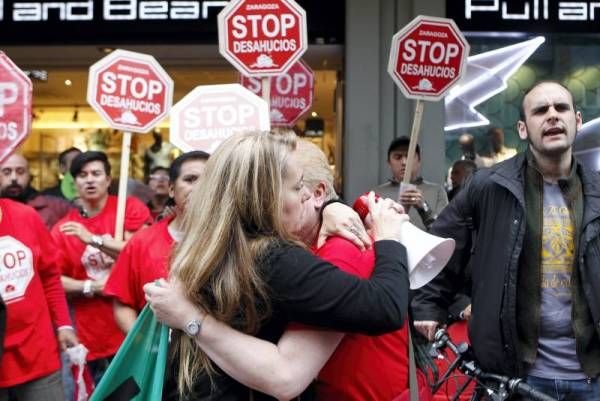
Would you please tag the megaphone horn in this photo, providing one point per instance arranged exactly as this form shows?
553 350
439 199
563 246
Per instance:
427 254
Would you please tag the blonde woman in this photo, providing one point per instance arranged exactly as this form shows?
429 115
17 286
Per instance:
239 264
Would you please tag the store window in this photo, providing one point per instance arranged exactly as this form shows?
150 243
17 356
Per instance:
62 118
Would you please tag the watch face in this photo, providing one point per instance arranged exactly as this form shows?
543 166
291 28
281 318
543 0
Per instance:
192 328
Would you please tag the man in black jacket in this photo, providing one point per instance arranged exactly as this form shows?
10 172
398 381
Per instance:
530 227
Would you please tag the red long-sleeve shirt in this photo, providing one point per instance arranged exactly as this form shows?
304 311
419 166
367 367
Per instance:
31 288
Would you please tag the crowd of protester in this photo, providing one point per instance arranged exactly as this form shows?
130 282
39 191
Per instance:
274 288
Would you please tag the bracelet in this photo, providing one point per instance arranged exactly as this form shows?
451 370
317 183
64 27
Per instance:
87 288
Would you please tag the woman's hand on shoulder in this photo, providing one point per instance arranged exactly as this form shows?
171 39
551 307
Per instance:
341 220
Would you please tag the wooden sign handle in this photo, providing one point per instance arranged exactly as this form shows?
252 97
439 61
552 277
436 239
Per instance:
266 90
123 174
414 138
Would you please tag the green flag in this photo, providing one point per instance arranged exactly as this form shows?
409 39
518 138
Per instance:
138 369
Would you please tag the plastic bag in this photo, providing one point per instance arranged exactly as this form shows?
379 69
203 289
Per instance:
138 369
84 384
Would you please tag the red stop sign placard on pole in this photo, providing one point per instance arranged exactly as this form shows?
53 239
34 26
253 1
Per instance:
427 57
15 106
209 114
262 37
131 91
291 93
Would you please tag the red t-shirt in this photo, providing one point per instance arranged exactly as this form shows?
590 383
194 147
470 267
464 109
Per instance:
31 288
144 259
94 321
362 367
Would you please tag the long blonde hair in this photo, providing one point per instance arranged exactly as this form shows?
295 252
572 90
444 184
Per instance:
232 217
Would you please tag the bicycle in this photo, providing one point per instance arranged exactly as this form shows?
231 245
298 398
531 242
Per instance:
491 386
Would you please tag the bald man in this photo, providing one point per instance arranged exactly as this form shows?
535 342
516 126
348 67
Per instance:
15 184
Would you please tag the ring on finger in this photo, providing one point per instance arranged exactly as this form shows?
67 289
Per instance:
354 230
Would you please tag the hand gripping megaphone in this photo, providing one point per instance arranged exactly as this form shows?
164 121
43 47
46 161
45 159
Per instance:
427 254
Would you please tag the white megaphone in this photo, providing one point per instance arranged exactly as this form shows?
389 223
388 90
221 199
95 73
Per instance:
427 254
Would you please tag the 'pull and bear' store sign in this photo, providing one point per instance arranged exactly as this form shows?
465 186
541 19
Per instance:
541 16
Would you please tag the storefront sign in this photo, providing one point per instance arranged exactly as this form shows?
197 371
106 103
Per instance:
262 37
291 93
140 21
131 91
15 106
108 10
209 114
427 57
542 16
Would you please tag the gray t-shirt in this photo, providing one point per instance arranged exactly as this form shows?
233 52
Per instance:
556 354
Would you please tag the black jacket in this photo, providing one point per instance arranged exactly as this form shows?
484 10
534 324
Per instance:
487 220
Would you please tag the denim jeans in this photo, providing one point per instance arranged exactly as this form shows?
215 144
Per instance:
567 390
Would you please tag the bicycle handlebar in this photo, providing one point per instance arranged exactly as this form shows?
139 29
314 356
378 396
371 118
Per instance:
526 390
470 368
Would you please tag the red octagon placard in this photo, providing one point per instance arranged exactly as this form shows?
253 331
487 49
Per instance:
15 106
262 37
131 91
291 93
209 114
427 57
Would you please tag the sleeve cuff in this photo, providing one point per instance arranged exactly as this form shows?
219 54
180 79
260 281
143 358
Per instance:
65 328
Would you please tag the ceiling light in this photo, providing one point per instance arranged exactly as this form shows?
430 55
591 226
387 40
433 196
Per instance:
314 114
106 50
68 82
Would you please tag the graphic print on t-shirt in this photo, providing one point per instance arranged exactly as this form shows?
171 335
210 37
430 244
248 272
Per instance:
557 250
96 263
16 269
556 353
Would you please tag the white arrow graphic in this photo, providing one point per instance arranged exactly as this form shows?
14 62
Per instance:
486 76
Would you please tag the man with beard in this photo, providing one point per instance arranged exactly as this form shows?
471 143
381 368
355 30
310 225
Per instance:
529 226
145 257
15 183
87 249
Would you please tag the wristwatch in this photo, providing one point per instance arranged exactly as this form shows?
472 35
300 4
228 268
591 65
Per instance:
97 241
424 209
192 328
